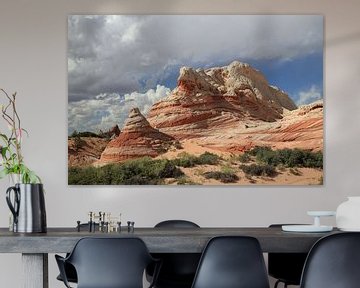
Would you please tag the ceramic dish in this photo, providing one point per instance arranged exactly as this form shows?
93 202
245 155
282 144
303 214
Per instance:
306 228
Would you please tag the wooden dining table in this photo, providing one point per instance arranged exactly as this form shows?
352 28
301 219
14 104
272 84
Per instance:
35 247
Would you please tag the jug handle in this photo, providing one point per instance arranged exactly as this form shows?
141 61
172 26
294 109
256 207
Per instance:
13 208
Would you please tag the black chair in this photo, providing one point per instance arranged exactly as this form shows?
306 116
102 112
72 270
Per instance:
232 262
333 262
108 263
69 269
286 267
178 269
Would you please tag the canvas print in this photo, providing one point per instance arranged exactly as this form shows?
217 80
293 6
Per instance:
195 100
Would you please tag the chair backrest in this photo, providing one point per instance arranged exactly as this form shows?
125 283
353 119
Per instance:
178 269
110 262
176 224
232 262
286 266
333 262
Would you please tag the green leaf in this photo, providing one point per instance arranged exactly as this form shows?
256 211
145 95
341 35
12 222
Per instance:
3 173
33 177
27 133
4 137
28 176
3 151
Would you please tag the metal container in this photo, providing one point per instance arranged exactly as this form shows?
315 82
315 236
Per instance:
27 204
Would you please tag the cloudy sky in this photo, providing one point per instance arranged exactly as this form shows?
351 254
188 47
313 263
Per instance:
116 62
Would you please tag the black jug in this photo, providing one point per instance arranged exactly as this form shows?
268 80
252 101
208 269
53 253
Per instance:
28 208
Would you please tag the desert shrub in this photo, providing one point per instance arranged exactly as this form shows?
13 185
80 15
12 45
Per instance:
314 160
287 157
244 158
82 176
73 134
259 170
178 145
104 175
146 171
133 172
84 134
226 168
187 160
301 158
221 176
78 143
169 170
208 158
258 150
268 157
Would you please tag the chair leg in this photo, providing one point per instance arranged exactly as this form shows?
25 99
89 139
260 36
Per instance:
279 281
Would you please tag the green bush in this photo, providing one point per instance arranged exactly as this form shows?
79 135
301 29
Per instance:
221 176
244 158
208 158
258 150
133 172
226 168
82 176
78 143
287 157
84 134
187 160
268 156
259 170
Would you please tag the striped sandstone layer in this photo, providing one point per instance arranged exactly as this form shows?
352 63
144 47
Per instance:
206 100
137 139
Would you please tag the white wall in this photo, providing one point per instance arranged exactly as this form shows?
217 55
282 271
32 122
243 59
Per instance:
33 43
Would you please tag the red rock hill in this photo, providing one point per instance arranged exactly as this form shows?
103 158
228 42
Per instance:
136 140
216 99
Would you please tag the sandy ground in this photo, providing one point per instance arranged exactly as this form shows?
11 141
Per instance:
305 176
286 176
192 147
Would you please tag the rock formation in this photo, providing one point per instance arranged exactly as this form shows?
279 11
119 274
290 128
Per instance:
301 128
224 109
83 151
136 140
216 99
111 133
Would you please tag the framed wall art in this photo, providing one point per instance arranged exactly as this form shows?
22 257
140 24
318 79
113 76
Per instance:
195 99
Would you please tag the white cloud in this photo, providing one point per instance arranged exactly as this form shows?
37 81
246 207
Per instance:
111 56
121 54
309 96
107 110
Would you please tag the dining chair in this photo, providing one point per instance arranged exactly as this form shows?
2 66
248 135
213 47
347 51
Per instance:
108 263
70 271
178 269
232 262
285 267
333 262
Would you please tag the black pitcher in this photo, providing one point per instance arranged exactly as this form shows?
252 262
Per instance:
28 207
